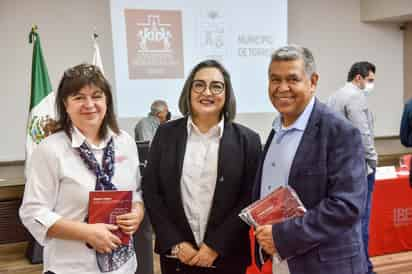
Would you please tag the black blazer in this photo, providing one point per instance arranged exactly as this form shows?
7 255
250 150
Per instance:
239 153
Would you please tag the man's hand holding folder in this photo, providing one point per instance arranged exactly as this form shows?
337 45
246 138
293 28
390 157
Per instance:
280 205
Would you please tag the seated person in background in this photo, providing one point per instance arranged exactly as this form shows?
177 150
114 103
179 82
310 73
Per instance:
88 152
199 176
144 131
146 128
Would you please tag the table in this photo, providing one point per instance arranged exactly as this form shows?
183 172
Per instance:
391 217
11 229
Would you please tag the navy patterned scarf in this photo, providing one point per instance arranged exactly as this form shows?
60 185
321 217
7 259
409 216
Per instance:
107 262
105 173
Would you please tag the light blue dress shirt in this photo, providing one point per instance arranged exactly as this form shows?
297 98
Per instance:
282 150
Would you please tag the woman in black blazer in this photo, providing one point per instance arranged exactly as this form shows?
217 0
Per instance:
199 176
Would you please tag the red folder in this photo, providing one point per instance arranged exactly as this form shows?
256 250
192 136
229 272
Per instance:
279 205
104 206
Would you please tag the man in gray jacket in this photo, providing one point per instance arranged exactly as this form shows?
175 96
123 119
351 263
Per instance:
146 127
351 102
143 238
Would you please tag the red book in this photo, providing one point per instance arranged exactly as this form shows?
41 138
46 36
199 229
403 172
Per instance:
104 206
279 205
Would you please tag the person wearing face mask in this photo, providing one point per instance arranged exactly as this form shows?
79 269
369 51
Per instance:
351 102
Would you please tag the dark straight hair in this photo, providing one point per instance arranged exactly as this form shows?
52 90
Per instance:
73 80
229 108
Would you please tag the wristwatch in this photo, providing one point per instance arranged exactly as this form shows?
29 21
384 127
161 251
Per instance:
175 250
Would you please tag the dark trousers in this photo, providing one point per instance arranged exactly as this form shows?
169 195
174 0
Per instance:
143 244
174 266
365 220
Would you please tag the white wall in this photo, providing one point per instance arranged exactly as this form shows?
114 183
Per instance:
374 10
65 28
331 28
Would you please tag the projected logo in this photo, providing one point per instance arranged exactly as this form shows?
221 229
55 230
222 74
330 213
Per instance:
154 44
211 34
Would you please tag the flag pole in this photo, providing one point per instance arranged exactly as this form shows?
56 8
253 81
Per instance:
33 33
97 59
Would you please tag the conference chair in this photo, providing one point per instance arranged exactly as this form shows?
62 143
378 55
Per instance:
143 238
143 152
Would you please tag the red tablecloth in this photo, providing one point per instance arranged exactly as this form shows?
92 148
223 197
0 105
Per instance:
391 217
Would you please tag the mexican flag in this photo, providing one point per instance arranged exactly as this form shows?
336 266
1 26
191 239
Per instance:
42 113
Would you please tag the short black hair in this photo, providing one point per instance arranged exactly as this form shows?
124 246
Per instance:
362 68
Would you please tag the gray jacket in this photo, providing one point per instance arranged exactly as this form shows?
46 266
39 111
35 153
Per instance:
351 103
146 128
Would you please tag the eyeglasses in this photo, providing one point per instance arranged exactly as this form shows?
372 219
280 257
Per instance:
215 87
83 70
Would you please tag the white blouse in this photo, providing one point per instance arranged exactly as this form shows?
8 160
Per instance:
58 185
199 175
